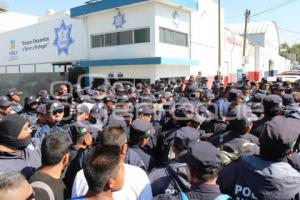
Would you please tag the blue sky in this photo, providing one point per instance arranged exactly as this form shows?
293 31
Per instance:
286 17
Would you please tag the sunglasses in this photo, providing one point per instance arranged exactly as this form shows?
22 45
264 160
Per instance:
57 111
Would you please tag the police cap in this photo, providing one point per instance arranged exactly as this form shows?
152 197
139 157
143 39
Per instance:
272 103
4 102
203 156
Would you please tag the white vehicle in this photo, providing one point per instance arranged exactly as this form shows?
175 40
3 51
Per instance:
290 76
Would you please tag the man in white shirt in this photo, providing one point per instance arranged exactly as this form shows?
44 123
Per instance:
136 183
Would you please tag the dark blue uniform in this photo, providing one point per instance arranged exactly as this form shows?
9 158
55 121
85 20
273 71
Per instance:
162 180
133 158
16 107
149 161
252 177
26 161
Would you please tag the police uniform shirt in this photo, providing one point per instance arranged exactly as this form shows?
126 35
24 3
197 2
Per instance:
204 191
133 158
147 159
198 192
26 161
252 178
31 117
16 107
258 126
162 182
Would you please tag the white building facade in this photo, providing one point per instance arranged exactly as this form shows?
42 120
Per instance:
135 39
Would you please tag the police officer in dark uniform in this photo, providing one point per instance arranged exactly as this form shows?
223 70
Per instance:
82 140
237 139
297 86
55 114
5 107
272 107
140 132
162 180
267 175
187 121
193 93
18 152
15 97
30 109
291 108
203 163
264 88
256 104
278 89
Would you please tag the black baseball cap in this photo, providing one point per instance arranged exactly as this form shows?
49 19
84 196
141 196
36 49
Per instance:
78 130
272 103
140 129
13 92
288 99
146 109
53 106
183 137
279 135
234 94
31 99
278 86
4 102
203 156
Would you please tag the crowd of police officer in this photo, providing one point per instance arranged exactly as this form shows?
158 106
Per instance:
250 131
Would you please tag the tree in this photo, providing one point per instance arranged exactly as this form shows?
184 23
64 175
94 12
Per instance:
2 7
291 53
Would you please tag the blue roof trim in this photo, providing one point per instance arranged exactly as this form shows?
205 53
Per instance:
110 4
100 6
137 61
191 4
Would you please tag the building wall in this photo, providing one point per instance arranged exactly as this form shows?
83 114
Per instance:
136 16
35 44
205 39
164 18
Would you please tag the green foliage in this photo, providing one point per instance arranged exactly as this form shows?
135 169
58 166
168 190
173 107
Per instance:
291 53
2 7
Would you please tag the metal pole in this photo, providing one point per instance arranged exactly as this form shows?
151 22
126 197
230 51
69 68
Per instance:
219 40
247 14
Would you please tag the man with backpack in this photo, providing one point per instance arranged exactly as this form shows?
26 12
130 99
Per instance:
267 175
237 140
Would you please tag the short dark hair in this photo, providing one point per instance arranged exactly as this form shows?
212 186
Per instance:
113 135
238 126
101 165
54 147
205 175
